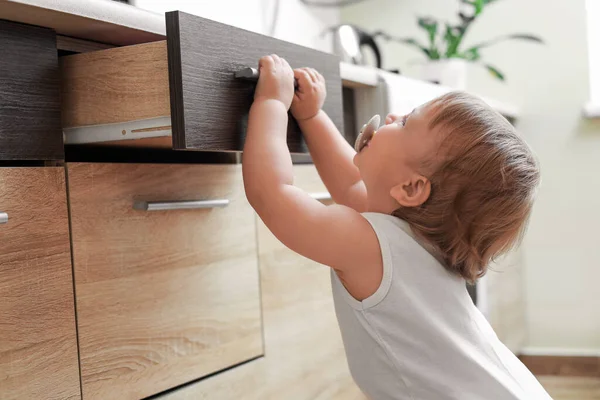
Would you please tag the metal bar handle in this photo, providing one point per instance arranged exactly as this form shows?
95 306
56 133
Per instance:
252 74
3 218
321 196
179 205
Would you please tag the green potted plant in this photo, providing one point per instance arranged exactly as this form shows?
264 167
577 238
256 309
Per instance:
447 58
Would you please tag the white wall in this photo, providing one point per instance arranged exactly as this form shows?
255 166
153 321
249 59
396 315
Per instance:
549 83
593 13
296 23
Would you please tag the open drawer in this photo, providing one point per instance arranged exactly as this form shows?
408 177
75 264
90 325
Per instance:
180 93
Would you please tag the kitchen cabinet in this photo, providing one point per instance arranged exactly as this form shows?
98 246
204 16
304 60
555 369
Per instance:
38 344
166 275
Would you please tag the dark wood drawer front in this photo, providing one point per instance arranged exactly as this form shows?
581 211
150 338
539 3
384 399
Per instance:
30 127
38 343
209 106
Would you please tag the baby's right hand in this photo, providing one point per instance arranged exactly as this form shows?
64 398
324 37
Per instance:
275 80
310 95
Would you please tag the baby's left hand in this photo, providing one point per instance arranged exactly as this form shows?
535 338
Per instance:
276 80
311 93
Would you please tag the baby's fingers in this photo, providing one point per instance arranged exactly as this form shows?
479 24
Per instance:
320 77
303 77
266 62
313 74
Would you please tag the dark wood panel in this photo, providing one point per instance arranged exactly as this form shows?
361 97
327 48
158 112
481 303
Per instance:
29 94
350 130
209 108
38 344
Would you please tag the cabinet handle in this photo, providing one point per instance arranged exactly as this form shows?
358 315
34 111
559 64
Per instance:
179 205
321 196
252 74
3 217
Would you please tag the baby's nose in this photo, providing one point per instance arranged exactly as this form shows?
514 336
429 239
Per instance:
391 118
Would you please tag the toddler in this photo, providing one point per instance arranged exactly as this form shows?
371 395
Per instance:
423 206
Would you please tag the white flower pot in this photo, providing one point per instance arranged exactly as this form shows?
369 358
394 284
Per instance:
451 73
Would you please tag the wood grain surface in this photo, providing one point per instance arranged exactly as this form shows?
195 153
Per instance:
585 366
115 85
38 344
209 106
163 297
571 388
304 356
29 94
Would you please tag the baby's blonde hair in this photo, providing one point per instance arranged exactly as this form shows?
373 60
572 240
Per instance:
482 186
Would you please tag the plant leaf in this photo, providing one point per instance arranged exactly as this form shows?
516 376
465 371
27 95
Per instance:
453 37
471 54
518 36
479 4
525 36
431 26
494 72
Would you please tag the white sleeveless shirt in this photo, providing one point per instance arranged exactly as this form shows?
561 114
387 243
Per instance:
419 336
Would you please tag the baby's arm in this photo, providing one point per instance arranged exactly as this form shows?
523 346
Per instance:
334 235
331 153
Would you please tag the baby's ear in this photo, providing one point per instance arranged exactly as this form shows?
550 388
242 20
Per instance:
412 193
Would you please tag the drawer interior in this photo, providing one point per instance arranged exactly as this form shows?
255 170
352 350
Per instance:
117 96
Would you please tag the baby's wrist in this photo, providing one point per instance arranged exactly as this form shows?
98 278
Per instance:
269 101
306 119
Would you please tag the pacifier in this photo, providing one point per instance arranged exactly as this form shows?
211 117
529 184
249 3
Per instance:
366 133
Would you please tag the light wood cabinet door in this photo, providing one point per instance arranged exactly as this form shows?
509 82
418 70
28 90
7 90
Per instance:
38 344
304 355
168 296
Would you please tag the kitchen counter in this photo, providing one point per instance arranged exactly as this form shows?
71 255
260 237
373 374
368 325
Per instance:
101 21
